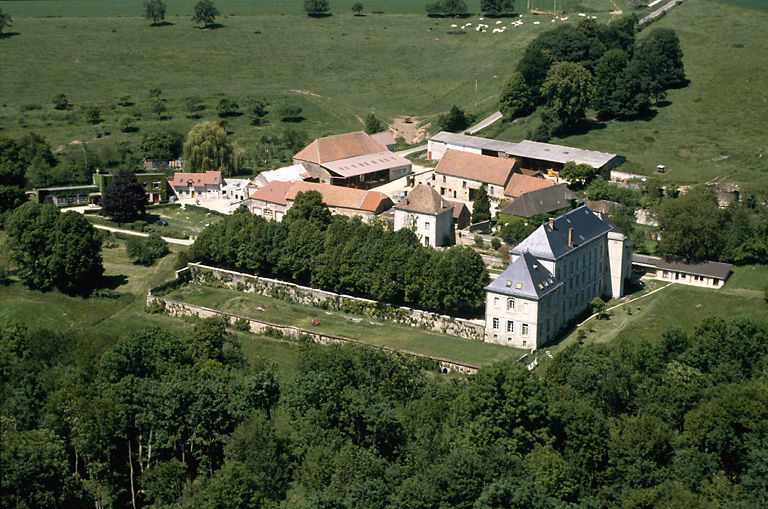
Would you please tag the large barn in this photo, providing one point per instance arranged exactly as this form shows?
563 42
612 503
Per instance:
351 160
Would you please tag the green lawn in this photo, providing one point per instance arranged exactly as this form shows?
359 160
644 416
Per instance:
681 306
365 329
715 127
182 223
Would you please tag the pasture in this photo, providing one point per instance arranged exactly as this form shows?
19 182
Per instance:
714 129
336 69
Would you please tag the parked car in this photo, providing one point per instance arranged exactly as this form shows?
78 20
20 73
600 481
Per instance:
162 222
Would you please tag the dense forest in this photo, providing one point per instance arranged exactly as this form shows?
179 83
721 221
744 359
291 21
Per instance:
159 419
343 255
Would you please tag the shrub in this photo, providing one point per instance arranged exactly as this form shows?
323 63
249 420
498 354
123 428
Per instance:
139 225
242 324
291 113
479 241
145 250
227 107
60 102
495 243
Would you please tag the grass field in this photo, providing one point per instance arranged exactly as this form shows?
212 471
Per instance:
682 306
717 127
336 69
369 330
182 223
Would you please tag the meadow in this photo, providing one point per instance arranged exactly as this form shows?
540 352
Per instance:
337 69
716 128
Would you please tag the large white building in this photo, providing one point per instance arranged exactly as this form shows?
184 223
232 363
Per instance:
553 276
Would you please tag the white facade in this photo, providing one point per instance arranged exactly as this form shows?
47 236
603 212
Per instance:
432 229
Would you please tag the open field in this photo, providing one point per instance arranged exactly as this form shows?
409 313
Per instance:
343 324
682 306
182 223
715 127
336 69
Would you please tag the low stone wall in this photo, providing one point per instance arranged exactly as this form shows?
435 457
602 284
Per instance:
435 322
179 308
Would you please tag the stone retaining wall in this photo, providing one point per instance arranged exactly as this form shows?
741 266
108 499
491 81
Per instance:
179 308
435 322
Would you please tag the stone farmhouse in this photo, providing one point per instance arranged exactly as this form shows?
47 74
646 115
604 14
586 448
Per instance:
428 215
197 185
459 175
351 160
344 201
269 201
688 272
531 155
553 276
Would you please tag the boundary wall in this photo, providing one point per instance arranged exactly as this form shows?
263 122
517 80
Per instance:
459 327
179 308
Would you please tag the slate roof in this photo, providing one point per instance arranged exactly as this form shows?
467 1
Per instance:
525 277
486 169
552 243
697 268
210 178
476 142
342 197
561 154
424 200
520 184
340 146
540 201
273 192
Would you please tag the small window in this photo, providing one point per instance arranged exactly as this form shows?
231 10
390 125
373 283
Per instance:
524 329
525 343
444 179
426 224
495 324
495 302
510 326
510 304
464 184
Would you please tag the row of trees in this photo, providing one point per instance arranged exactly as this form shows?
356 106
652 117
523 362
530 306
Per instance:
204 12
589 65
491 8
160 419
346 256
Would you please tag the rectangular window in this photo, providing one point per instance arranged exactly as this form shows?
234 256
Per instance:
510 326
464 184
444 179
495 324
524 330
510 304
426 224
495 302
525 343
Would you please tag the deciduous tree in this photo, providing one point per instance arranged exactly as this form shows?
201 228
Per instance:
357 8
124 198
516 98
373 124
567 91
205 12
162 144
154 10
5 21
208 148
316 8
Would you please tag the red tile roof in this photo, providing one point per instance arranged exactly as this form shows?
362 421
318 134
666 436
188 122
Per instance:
209 178
273 192
520 184
342 197
486 169
340 146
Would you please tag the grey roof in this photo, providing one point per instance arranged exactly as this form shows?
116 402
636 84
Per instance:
540 201
697 268
561 154
366 163
552 243
477 142
525 277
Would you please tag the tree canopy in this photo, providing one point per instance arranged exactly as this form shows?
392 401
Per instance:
54 250
317 8
124 197
154 10
205 12
567 90
5 21
454 121
162 144
208 148
481 207
373 124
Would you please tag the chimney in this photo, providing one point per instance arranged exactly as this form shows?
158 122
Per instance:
570 237
552 222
